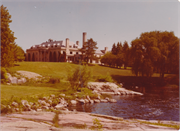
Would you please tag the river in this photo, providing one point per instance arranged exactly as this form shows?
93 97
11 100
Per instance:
158 103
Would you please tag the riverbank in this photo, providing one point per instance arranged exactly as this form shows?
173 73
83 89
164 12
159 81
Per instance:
79 121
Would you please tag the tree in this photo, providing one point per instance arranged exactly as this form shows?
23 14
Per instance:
125 52
155 51
7 39
19 54
114 49
119 48
88 50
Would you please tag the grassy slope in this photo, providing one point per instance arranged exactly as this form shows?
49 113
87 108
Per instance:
60 69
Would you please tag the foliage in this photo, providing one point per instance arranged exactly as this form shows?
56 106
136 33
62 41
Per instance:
155 52
56 119
105 78
97 124
7 39
118 56
4 76
86 92
79 77
88 50
18 52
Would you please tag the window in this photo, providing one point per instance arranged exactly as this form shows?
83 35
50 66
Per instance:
71 52
77 53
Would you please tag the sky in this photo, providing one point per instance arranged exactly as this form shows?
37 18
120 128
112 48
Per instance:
106 21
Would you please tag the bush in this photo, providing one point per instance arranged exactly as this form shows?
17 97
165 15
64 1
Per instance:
54 80
79 77
4 77
106 78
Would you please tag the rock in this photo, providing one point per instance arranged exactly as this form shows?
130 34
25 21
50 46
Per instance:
63 95
117 93
8 75
42 102
108 93
66 109
44 98
123 93
121 84
45 107
14 104
17 109
8 83
13 80
88 97
49 101
48 105
39 109
59 106
31 103
104 100
73 102
82 101
86 100
52 95
97 101
24 102
112 100
99 97
107 98
91 101
21 80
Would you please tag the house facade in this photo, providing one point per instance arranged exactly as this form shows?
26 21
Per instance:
57 51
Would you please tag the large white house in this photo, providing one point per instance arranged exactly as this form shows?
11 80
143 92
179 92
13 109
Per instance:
52 51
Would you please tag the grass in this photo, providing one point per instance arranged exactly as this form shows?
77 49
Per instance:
60 70
8 91
161 124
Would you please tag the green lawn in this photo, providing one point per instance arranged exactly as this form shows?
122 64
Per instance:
60 70
7 91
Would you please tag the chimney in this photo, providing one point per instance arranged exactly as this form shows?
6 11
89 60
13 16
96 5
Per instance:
67 45
84 38
106 49
77 43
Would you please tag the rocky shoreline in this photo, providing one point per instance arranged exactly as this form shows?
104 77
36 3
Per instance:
77 121
61 102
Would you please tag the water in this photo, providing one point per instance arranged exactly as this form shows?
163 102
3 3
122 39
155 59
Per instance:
160 103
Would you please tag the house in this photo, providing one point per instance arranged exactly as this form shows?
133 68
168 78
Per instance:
58 51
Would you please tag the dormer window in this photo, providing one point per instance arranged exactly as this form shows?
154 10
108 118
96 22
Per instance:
71 52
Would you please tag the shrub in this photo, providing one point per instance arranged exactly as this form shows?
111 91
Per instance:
79 77
106 78
54 80
4 77
97 125
56 119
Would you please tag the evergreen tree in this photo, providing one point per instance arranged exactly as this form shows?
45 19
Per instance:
88 50
7 39
114 49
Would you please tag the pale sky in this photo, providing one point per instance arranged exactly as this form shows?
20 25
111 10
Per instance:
107 21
